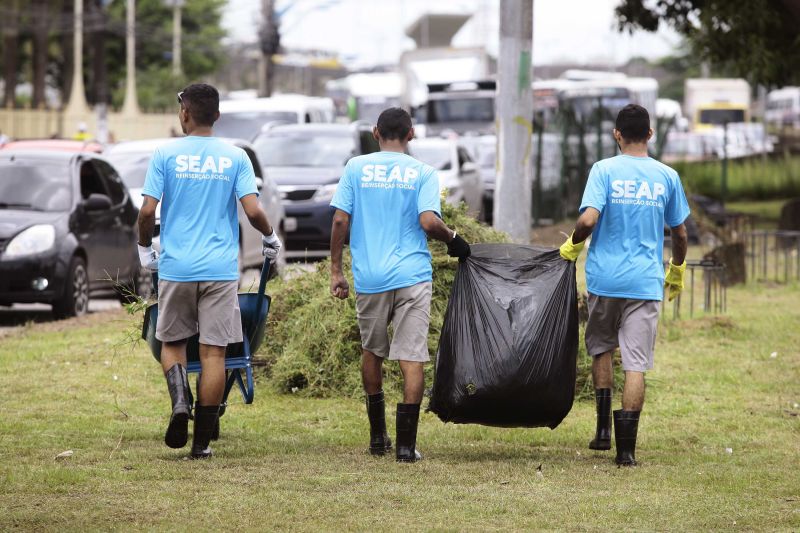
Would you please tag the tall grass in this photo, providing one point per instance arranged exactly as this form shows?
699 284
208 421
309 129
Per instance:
750 179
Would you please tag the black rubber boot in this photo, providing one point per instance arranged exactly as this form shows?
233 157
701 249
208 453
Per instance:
379 441
626 426
178 429
205 418
602 436
407 421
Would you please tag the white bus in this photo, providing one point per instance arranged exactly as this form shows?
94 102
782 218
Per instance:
783 108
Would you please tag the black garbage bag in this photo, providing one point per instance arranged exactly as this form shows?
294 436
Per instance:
509 344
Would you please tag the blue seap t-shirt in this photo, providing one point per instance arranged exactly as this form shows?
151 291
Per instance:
198 181
384 193
635 197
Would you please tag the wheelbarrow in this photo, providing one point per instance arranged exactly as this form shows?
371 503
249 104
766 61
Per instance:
254 307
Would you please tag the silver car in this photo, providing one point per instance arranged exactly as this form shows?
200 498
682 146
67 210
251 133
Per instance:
458 173
131 159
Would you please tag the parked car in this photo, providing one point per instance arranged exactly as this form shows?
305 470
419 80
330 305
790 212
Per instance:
458 173
483 150
133 157
65 145
307 160
246 118
67 230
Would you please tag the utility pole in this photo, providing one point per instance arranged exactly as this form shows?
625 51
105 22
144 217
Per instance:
76 107
130 106
177 12
512 207
269 41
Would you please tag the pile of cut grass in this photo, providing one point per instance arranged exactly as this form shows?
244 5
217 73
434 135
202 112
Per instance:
313 345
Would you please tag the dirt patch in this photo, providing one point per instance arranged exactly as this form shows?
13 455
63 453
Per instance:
109 317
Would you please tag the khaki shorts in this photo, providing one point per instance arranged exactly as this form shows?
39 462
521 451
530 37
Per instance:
408 310
208 307
629 324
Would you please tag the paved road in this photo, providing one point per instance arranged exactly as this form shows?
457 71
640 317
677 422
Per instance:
18 315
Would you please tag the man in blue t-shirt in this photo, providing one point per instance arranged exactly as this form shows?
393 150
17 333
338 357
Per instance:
198 180
390 204
627 201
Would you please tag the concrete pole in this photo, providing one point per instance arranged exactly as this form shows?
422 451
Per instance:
177 68
512 200
130 106
77 109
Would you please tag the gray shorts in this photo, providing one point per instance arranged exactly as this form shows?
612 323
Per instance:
208 307
408 310
629 324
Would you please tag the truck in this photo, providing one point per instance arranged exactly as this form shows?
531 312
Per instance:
713 102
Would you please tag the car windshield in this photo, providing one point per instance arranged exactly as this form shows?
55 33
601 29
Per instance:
305 149
35 185
132 167
247 124
439 156
461 110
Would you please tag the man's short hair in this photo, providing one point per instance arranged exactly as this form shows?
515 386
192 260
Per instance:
202 102
633 123
394 124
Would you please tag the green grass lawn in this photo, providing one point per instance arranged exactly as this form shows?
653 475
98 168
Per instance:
719 445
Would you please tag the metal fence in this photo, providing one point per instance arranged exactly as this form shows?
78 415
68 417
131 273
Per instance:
705 290
773 255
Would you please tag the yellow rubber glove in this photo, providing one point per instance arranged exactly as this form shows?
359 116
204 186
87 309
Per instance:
673 279
571 251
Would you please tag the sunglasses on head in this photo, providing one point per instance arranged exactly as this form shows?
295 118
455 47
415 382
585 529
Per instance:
180 98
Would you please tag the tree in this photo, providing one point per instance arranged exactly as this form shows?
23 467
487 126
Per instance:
753 39
202 50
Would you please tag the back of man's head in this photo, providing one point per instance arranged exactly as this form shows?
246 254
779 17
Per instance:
202 102
394 124
633 123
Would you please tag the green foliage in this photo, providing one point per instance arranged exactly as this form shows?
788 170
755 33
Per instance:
750 179
756 39
314 346
201 50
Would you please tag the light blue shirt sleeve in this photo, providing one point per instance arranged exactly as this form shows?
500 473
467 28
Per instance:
344 197
154 179
428 198
596 190
677 209
245 177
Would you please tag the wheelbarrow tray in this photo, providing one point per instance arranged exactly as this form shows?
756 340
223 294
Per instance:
254 324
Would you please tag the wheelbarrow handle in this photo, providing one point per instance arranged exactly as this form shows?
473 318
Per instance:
262 285
154 275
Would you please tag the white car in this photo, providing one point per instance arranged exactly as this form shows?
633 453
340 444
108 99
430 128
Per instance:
458 173
131 159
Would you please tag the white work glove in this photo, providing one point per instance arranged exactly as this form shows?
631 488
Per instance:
148 257
271 245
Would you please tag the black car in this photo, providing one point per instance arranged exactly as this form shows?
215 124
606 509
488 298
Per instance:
306 161
67 230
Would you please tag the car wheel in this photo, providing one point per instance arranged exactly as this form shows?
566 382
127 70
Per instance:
75 300
140 285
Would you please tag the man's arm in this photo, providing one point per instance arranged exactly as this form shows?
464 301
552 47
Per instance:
339 229
435 228
680 242
255 214
573 246
147 221
585 225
